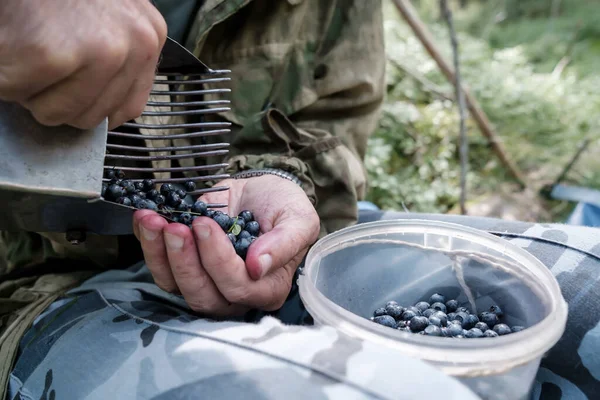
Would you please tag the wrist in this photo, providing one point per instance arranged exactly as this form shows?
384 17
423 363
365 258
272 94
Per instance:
253 173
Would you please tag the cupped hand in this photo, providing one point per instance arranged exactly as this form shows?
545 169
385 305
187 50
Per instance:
202 264
79 62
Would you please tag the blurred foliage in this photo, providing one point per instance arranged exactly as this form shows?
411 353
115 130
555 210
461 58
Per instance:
507 60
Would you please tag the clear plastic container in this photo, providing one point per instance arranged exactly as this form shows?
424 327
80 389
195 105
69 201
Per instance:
350 273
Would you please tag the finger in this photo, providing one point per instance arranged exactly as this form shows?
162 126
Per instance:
269 253
138 93
113 97
228 270
66 100
196 286
155 253
137 217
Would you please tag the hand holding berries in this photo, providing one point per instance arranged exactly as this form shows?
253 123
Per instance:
202 264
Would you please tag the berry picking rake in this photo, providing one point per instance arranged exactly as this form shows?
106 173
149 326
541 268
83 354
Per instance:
52 179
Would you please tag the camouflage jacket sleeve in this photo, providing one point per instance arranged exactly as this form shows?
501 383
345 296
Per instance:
307 85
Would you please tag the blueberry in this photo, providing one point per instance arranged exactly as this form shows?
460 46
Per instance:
139 186
224 221
422 306
103 191
183 206
159 199
128 186
414 309
189 186
473 320
241 248
433 320
482 326
246 216
233 239
165 189
117 173
185 218
391 303
377 313
497 310
148 185
502 329
451 305
408 315
445 332
147 205
253 228
454 330
182 193
451 316
114 192
173 199
142 195
385 320
152 194
439 307
517 328
124 200
437 298
394 311
442 317
211 213
490 333
135 199
245 235
489 318
474 333
462 318
240 222
111 174
417 324
429 312
199 207
433 330
462 309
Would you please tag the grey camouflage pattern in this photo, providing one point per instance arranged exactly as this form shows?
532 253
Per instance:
125 338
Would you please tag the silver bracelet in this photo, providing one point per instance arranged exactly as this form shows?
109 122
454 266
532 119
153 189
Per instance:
252 173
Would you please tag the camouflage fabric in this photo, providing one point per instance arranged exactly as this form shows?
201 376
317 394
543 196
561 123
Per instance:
307 85
128 329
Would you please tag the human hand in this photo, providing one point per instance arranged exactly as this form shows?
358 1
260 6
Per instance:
78 62
202 264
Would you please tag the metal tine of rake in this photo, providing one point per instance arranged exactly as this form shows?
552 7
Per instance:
183 76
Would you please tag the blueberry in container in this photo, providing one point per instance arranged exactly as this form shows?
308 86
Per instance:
352 272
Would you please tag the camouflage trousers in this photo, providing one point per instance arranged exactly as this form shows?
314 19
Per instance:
119 336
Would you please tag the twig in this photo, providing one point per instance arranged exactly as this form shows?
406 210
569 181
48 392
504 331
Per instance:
420 30
464 145
427 84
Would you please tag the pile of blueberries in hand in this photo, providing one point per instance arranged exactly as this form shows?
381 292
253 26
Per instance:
170 202
439 317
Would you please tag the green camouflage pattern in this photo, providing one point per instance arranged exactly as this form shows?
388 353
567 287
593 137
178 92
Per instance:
307 85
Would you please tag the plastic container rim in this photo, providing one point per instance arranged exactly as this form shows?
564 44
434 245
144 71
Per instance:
456 357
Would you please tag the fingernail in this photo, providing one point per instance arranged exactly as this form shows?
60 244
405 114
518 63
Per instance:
202 231
173 242
264 263
148 234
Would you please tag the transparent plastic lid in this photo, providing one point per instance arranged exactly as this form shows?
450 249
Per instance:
350 273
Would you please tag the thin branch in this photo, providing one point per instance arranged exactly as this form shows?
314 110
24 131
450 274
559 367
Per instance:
460 95
426 83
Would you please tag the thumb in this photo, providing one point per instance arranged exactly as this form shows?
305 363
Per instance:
289 239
